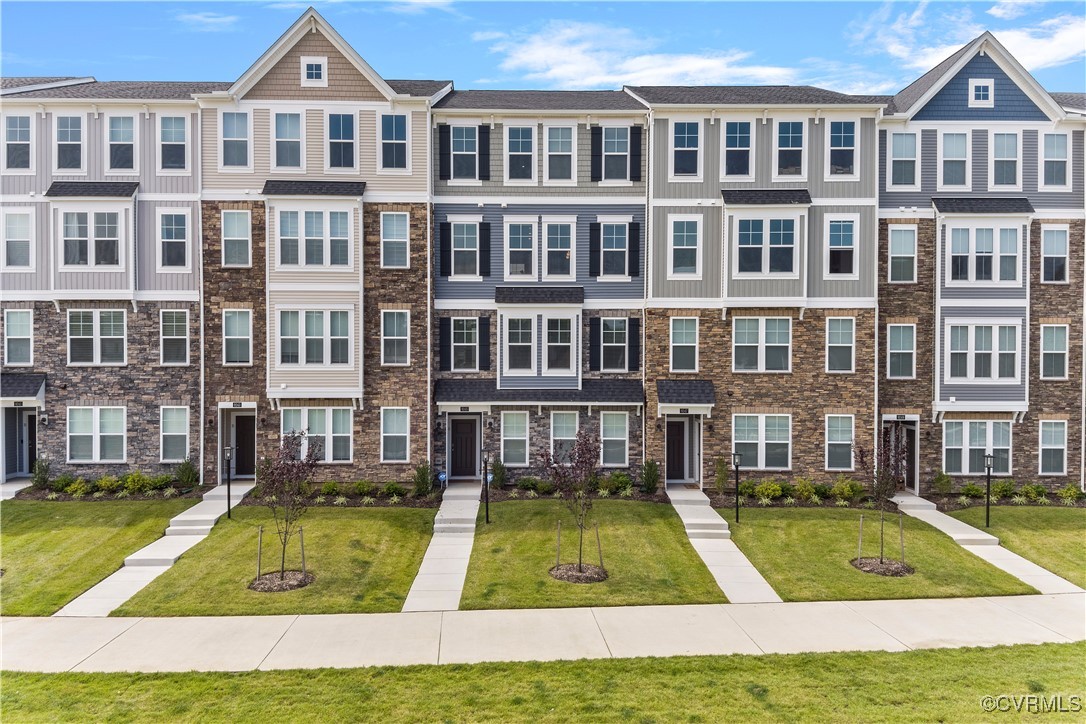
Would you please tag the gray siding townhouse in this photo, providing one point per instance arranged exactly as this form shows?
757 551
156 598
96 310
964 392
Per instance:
539 276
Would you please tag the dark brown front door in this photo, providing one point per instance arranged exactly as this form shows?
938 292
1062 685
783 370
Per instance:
31 441
244 444
464 447
676 450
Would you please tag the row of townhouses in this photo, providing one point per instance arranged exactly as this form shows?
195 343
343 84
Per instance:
409 272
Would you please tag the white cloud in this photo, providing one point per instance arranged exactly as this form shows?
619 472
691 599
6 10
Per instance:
417 7
1011 9
208 22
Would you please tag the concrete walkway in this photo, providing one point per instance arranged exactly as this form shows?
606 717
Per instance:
440 580
148 563
710 537
11 487
245 643
984 545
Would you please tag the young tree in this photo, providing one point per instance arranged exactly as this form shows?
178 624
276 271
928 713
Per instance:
885 470
284 486
573 480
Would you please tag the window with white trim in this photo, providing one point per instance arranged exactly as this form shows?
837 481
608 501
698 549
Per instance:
236 239
613 343
173 337
394 141
237 333
615 245
97 244
764 441
560 153
235 140
903 160
762 344
974 258
314 337
520 153
69 155
684 261
329 428
173 239
684 344
519 250
515 439
790 148
394 229
616 153
1054 172
465 250
395 423
288 140
840 344
97 337
839 432
1054 255
520 345
902 268
901 351
96 434
1054 351
18 249
559 357
465 152
122 143
17 143
966 443
465 344
173 434
395 347
841 248
738 145
18 337
981 93
686 148
954 163
326 241
614 439
842 148
974 356
172 143
1053 452
1004 159
563 435
755 257
314 71
559 254
341 127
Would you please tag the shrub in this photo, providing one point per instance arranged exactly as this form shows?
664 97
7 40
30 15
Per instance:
110 483
61 482
626 492
846 490
620 481
841 503
805 489
942 483
604 492
78 489
650 477
1068 494
423 480
39 478
187 474
1042 501
52 495
98 494
137 482
527 483
789 501
330 489
972 490
394 490
365 488
1034 492
121 494
546 487
501 473
815 500
767 490
340 500
514 494
721 474
823 491
161 482
747 488
1002 489
787 490
531 495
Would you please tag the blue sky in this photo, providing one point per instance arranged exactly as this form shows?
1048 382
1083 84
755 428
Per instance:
857 47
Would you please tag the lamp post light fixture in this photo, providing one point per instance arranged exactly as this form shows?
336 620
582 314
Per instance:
737 460
989 460
228 455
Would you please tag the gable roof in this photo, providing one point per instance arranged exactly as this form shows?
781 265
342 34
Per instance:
767 197
537 100
21 384
805 95
419 88
1072 101
982 205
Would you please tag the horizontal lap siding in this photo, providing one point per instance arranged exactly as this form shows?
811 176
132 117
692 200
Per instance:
331 378
951 103
982 392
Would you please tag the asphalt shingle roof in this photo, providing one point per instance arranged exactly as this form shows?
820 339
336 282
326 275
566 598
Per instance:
745 95
539 295
910 94
753 197
126 90
533 100
686 392
21 384
999 205
1070 100
313 188
92 188
592 391
21 81
422 88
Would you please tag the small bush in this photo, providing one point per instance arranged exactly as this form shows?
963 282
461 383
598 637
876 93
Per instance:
823 491
971 490
340 500
137 482
721 474
604 492
626 492
815 500
868 505
39 478
99 494
767 489
394 490
747 488
169 492
787 490
546 487
942 483
1002 489
500 472
330 489
78 489
964 500
804 489
527 483
187 474
1034 492
61 482
394 499
531 495
846 490
841 503
319 500
650 477
110 484
1068 494
789 501
1042 501
161 482
365 488
423 480
619 480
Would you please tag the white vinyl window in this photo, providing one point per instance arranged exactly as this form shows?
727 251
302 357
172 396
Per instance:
465 344
18 144
762 344
395 337
901 351
173 239
394 245
615 246
954 161
96 434
236 239
840 344
614 439
341 134
91 240
173 434
903 161
18 337
520 153
616 153
684 344
559 351
984 255
613 331
764 441
1005 160
686 150
325 239
235 140
173 144
842 156
761 254
520 345
465 152
97 337
395 423
841 244
237 333
288 141
18 244
329 428
314 71
789 151
839 433
561 159
1053 452
560 252
983 352
121 134
684 259
966 443
902 266
69 150
314 337
515 439
394 141
738 162
1054 172
465 250
1054 254
520 249
1054 351
174 337
563 435
981 93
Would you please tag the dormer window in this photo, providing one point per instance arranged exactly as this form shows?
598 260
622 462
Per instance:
981 93
314 71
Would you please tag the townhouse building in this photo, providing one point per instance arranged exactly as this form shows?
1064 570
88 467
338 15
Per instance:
539 208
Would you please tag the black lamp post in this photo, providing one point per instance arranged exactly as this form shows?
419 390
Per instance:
989 460
228 454
486 485
737 460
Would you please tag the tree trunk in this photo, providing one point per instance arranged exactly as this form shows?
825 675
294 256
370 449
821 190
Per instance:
882 535
283 562
580 551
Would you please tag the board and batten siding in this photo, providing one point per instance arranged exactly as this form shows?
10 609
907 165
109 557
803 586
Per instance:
37 279
867 248
540 380
980 392
148 277
753 287
90 279
708 287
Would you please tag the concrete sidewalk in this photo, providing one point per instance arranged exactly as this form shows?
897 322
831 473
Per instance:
440 581
246 643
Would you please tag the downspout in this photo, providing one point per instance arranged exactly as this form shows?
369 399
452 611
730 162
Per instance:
196 156
649 270
429 285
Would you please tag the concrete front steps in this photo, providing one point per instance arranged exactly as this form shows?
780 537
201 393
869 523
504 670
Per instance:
699 519
440 580
925 510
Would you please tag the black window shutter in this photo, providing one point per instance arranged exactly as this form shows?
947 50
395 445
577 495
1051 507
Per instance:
484 343
484 153
633 344
593 250
633 256
635 153
444 152
595 339
597 153
444 343
444 232
484 249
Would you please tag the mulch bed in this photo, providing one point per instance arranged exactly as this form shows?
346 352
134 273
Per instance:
39 494
499 495
947 505
589 574
270 582
434 501
887 567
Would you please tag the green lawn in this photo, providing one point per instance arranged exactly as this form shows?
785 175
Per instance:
364 560
52 552
928 685
645 551
1054 538
804 553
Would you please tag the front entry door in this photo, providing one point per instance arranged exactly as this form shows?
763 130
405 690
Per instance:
31 441
900 438
676 450
244 444
464 447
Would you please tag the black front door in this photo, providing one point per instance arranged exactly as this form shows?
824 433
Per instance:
676 450
31 441
464 447
244 444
